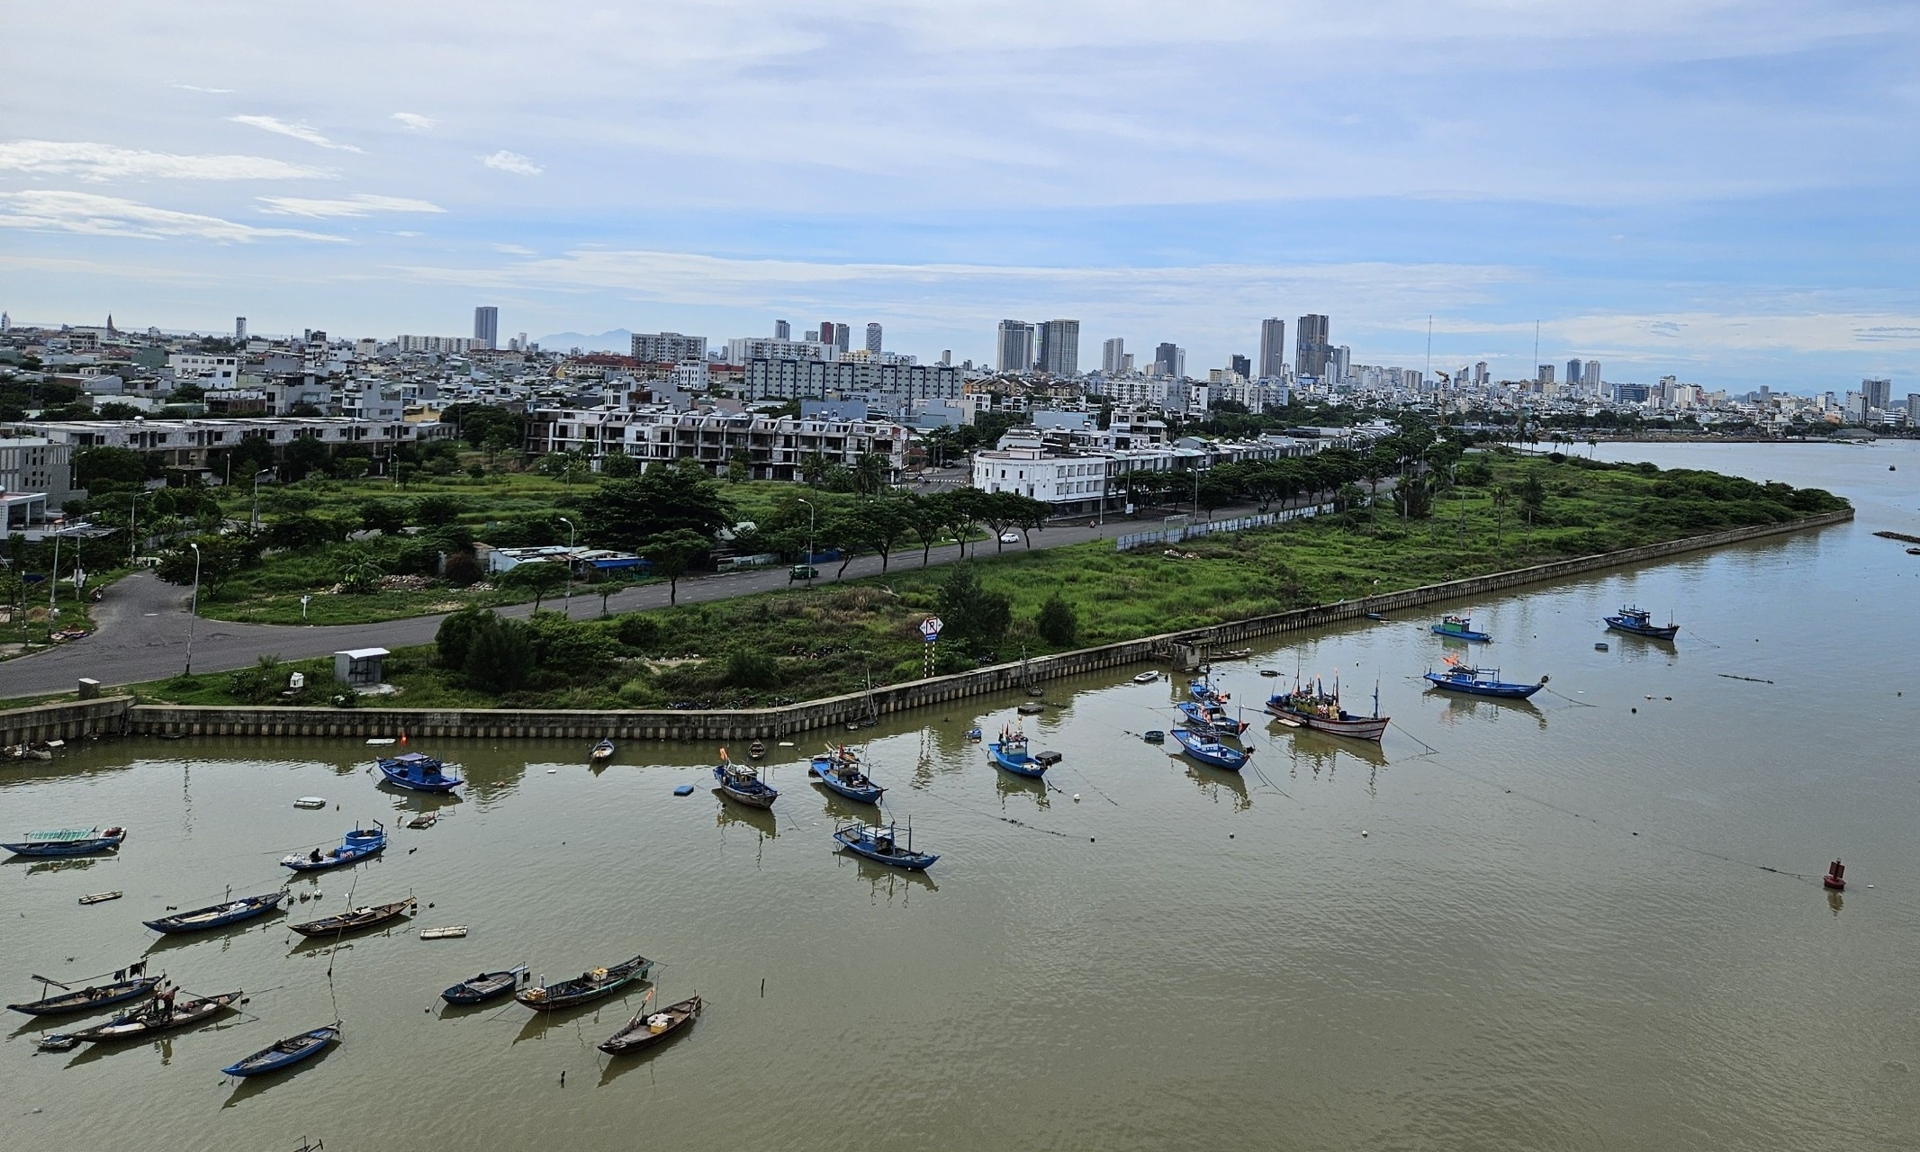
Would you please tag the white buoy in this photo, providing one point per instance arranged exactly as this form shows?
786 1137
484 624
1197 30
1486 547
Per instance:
1363 833
551 771
1076 797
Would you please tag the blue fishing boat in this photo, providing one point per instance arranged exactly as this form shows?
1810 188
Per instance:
1211 718
592 984
1458 677
1460 628
218 915
1203 692
358 845
1010 754
880 845
602 752
1639 622
742 784
1209 751
286 1053
419 772
133 986
486 986
839 769
68 842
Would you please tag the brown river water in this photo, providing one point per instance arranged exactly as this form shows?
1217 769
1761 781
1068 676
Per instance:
1588 921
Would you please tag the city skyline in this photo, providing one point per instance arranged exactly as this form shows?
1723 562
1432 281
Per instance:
1618 205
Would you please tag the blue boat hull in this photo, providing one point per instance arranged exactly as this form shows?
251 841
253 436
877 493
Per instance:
1498 689
495 985
911 861
1455 634
1024 765
1212 755
868 795
66 848
1196 714
422 775
1635 628
303 1046
346 856
245 908
759 795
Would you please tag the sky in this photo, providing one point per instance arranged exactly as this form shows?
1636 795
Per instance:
1722 191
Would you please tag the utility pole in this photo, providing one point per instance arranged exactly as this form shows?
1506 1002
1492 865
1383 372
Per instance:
808 565
193 611
566 602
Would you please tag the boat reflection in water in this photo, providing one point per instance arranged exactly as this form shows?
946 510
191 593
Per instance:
1218 782
758 820
1008 786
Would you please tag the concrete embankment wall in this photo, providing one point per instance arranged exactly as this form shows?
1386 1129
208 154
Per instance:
119 715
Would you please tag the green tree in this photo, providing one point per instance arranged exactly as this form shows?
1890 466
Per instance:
971 613
437 511
627 513
456 633
301 456
618 466
672 553
387 517
1057 623
499 655
97 468
927 518
542 578
300 532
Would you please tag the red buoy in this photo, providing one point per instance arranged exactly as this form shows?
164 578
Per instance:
1836 877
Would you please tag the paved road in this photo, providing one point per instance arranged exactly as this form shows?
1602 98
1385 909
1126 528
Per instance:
142 621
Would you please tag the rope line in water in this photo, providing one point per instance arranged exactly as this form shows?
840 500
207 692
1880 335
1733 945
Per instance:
1569 699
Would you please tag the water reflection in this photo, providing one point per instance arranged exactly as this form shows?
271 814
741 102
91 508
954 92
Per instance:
1835 901
1485 708
582 1019
1217 782
758 820
247 1087
69 864
887 883
1008 786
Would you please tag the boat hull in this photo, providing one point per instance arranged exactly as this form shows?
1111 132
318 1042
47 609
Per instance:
1467 634
1354 727
399 778
869 794
1213 755
1018 763
355 849
218 915
84 847
358 920
1635 628
124 1029
637 1035
76 1002
1498 689
285 1054
492 987
867 848
759 795
571 992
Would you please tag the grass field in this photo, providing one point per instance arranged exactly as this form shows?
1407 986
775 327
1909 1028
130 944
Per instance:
779 647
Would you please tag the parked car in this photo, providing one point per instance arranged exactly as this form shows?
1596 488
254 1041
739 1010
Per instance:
802 572
1009 537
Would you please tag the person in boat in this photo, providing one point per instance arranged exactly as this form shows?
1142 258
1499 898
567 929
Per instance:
314 856
163 1002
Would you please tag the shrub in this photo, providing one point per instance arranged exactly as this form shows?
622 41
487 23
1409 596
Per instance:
499 655
436 511
463 569
455 637
637 630
1057 623
571 649
970 612
750 668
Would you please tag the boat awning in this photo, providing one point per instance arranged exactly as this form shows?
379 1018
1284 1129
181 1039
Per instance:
58 835
413 758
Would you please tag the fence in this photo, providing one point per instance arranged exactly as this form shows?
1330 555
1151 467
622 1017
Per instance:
1207 527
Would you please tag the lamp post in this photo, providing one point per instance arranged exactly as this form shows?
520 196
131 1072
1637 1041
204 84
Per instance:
255 522
53 581
193 611
566 601
809 559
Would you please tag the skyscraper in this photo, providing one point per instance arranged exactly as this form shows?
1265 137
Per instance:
1575 373
1059 353
240 328
782 330
1544 378
1310 347
1480 374
826 333
873 339
1170 360
1113 354
486 326
1016 346
1878 393
1273 348
1241 366
1590 377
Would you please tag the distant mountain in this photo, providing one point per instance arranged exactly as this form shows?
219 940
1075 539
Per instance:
613 340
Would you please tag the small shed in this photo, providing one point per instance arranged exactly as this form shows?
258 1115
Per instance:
359 667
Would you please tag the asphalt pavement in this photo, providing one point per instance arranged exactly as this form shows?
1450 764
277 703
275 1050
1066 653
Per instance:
142 622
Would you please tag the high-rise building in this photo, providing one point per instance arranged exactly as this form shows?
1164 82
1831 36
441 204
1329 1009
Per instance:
1878 393
782 330
1170 360
1575 373
1016 346
946 356
1590 376
486 326
1310 346
1273 348
6 322
842 337
1113 353
1059 351
240 328
668 347
873 339
826 333
1339 364
1543 379
1241 366
1480 374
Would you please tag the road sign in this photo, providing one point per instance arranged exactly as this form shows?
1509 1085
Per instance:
930 628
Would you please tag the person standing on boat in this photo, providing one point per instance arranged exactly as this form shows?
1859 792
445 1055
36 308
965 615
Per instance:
163 1002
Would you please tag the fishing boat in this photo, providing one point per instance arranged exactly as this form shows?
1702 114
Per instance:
1010 754
89 999
756 750
286 1053
650 1028
101 897
973 735
1210 717
1639 622
879 844
1458 677
839 769
153 1019
1316 709
1236 654
357 920
1154 736
1460 628
589 985
421 821
311 803
602 752
742 784
417 772
486 986
1147 678
358 845
1209 751
218 915
1203 692
68 842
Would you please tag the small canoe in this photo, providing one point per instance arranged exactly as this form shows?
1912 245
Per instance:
450 932
357 920
101 897
57 1042
358 845
1031 709
150 1020
423 820
218 915
650 1028
879 845
1154 736
486 986
756 750
602 752
1147 678
589 985
89 999
285 1054
1481 682
311 803
68 842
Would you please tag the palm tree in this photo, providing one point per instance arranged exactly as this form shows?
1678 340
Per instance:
1499 510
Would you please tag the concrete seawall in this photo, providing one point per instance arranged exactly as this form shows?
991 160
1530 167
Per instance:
120 715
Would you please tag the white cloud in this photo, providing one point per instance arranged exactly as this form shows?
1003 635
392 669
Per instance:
358 204
511 162
415 121
208 91
45 210
299 131
106 162
514 250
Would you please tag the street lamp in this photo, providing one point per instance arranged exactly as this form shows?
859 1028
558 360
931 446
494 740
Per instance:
53 581
566 601
809 559
193 611
255 524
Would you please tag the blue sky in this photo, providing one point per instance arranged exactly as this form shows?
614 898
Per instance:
1719 190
